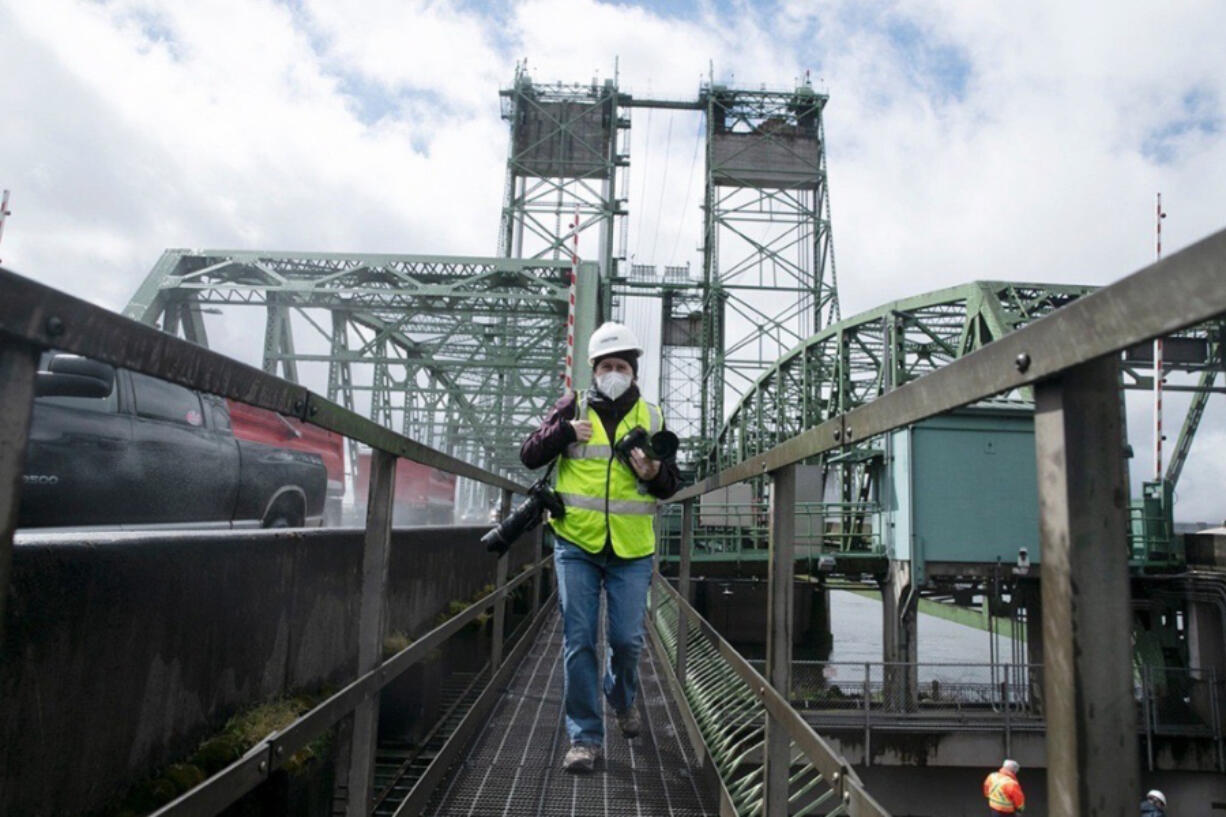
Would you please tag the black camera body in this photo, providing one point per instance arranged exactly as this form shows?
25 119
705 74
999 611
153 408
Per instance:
659 446
524 517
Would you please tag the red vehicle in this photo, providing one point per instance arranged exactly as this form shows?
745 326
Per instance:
424 495
263 426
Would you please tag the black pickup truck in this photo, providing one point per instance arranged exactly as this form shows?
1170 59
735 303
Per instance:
110 448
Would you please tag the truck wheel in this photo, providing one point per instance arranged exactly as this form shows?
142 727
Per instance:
285 514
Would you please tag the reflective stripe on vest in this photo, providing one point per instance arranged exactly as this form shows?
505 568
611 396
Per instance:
583 451
596 503
997 798
587 451
656 421
601 493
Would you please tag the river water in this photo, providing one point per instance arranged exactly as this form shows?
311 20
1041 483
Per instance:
855 622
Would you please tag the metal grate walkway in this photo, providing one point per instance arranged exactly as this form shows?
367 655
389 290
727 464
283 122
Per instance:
513 766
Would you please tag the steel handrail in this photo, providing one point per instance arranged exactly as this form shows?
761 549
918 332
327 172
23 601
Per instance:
258 763
852 796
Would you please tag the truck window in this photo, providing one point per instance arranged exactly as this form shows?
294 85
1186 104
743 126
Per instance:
160 400
105 405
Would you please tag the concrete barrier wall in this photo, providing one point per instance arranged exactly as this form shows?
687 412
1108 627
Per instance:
122 651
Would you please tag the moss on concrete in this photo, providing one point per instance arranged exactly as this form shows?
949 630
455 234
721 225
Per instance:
239 734
457 606
395 642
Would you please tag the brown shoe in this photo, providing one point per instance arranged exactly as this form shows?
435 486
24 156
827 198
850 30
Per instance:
581 757
631 722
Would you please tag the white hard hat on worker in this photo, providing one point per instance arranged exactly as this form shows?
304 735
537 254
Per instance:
612 339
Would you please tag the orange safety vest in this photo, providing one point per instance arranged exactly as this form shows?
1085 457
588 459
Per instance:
1004 793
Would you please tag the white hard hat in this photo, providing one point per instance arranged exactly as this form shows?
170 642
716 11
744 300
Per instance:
1154 794
609 339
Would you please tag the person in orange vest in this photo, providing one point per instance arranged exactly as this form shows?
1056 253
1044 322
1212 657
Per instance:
1003 791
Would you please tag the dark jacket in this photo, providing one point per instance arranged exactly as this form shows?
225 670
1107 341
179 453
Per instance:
1151 809
556 432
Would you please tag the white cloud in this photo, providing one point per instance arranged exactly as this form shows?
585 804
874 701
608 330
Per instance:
966 140
433 47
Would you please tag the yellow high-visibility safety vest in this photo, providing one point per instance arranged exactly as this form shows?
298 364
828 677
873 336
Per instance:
601 493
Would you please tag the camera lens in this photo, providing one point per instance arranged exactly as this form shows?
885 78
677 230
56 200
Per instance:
525 517
664 444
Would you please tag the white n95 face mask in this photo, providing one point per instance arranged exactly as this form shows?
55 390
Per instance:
613 384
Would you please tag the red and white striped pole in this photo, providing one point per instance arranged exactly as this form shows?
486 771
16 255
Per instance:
570 310
1158 216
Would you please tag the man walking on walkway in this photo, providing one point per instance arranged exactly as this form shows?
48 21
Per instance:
1003 791
606 539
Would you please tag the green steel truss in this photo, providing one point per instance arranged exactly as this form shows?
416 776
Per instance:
681 357
767 277
852 362
463 354
1215 364
768 261
856 360
567 151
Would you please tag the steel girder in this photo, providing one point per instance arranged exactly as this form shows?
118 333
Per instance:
680 344
1215 363
462 354
851 363
568 147
769 271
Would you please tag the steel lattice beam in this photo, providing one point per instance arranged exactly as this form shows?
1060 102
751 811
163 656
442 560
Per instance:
568 150
768 257
855 361
463 354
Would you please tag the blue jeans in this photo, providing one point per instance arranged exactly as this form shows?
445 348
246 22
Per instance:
625 581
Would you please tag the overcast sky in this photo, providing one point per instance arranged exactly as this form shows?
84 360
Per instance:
1019 141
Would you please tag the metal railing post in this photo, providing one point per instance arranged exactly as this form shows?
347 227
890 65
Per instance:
375 552
781 600
500 606
868 716
1215 714
1147 713
683 586
1083 516
1008 724
538 578
18 366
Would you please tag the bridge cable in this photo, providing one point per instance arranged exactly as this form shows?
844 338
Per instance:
668 141
689 184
